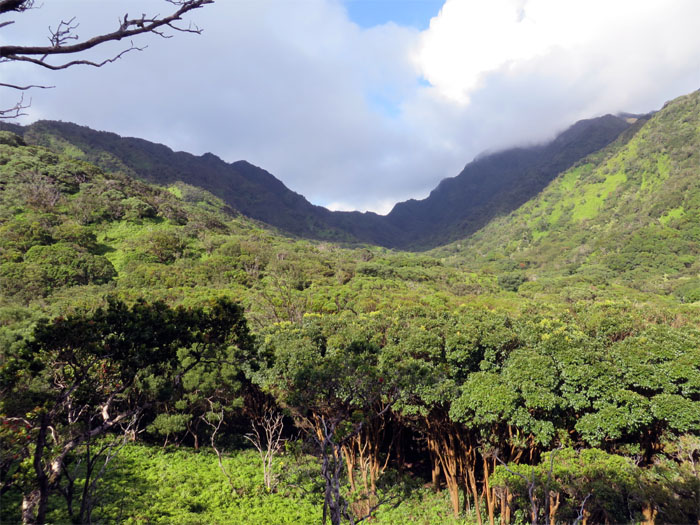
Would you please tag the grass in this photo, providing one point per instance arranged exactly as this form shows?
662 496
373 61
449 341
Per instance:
594 196
584 198
675 213
118 234
149 485
175 191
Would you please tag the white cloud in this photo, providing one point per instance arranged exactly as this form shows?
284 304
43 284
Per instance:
508 72
340 114
382 207
610 52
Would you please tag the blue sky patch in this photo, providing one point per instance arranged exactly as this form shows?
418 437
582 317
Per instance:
412 13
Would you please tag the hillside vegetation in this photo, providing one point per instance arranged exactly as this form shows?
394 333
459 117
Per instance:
545 369
627 214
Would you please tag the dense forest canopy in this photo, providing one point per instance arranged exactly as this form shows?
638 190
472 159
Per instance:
545 369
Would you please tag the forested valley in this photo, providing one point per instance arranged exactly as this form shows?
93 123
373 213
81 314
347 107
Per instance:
166 359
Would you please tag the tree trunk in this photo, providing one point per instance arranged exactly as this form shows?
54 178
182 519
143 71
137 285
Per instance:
400 456
475 492
29 506
350 461
435 474
435 463
34 504
586 516
649 514
506 498
449 465
490 497
555 501
466 506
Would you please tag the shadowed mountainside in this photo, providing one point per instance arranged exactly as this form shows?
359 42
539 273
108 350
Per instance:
497 184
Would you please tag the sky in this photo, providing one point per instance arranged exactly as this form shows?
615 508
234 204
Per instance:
359 104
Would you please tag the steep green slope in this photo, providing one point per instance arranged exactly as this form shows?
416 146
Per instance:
247 188
630 213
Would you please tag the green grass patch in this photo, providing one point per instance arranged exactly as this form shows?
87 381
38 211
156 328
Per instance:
175 191
150 485
675 213
538 234
146 484
118 233
590 203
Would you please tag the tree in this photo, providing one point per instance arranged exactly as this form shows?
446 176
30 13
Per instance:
267 439
336 391
89 375
64 42
566 483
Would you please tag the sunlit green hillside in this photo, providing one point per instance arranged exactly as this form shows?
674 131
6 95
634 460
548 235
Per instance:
629 214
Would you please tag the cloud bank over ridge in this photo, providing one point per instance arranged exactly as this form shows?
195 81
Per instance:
359 118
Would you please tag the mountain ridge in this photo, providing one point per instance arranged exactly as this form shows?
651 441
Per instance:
461 205
456 208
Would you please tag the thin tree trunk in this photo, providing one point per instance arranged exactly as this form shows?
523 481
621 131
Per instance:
506 498
490 497
466 505
554 507
475 492
509 508
435 464
34 504
649 514
29 505
350 462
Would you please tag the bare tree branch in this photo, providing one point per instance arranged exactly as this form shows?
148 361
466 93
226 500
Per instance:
15 111
15 5
580 512
64 41
128 27
216 426
63 33
24 88
66 65
268 445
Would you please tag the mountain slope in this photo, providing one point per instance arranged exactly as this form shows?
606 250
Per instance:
72 234
492 185
631 211
499 183
250 190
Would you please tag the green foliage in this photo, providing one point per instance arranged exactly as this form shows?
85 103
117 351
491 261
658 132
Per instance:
609 487
689 291
11 139
511 281
626 215
569 323
608 483
85 375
